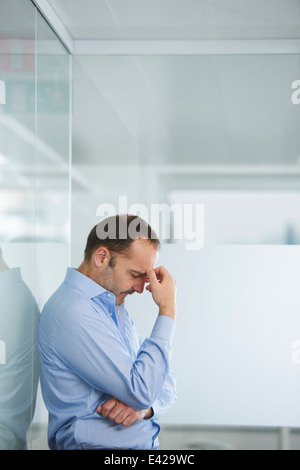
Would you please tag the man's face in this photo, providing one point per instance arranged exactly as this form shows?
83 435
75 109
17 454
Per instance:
128 274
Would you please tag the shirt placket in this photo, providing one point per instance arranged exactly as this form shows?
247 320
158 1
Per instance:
120 311
116 313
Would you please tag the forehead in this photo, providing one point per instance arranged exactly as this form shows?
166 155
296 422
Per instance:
142 254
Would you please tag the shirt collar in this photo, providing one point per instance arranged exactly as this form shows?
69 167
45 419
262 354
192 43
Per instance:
84 283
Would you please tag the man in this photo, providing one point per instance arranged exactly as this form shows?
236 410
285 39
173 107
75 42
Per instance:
103 387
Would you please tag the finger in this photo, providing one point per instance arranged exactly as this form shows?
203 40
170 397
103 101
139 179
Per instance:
161 273
108 406
131 418
151 274
127 422
122 416
116 411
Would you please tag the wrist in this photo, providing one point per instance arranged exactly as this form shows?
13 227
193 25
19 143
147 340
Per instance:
169 311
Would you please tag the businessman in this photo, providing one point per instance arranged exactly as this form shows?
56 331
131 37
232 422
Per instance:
105 388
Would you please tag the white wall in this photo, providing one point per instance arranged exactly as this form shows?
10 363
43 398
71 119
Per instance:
236 349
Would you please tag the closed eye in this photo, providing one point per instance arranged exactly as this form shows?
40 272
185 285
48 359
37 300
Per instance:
137 275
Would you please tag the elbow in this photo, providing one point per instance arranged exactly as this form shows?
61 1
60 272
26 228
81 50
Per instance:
144 393
142 399
141 404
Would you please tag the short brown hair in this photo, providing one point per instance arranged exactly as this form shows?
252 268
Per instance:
118 232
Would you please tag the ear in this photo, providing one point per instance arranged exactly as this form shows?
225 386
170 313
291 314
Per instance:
101 256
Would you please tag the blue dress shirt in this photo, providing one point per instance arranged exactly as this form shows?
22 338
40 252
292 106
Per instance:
90 351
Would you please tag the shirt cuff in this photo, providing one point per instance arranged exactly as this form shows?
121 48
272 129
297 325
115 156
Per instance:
164 328
155 409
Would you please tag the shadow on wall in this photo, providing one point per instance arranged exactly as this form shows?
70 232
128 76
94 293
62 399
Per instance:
19 365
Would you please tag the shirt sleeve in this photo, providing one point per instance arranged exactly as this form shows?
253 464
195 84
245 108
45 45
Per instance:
166 398
167 395
89 346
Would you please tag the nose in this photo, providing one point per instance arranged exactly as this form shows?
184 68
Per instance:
139 286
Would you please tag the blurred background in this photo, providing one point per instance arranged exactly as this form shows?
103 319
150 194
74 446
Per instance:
175 102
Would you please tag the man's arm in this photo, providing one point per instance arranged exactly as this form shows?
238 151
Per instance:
120 413
163 292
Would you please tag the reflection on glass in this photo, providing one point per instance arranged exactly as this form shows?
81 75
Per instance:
19 366
52 137
18 309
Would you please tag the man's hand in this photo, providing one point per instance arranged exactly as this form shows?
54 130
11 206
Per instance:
120 413
163 289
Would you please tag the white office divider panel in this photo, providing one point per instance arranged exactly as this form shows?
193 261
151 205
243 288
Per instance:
236 349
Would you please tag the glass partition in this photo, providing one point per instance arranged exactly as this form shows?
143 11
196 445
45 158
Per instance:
19 309
34 206
189 129
52 179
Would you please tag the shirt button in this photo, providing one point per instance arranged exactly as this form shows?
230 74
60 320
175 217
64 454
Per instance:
110 313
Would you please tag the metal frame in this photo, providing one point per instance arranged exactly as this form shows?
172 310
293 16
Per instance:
55 23
193 47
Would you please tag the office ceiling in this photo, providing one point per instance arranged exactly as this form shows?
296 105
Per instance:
179 19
